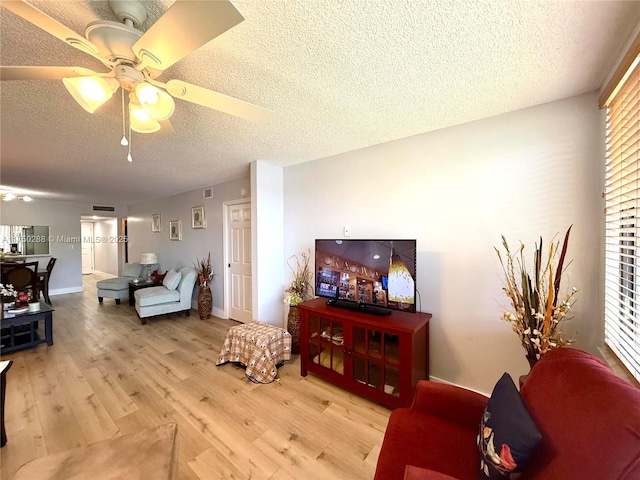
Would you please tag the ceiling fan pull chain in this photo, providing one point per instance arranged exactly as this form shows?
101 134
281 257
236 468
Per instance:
124 141
129 158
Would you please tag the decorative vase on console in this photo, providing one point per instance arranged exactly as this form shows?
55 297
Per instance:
299 291
205 274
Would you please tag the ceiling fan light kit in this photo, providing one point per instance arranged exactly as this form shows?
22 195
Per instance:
90 92
157 103
140 121
136 59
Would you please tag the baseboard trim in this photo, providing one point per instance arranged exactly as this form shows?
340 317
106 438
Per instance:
63 291
216 312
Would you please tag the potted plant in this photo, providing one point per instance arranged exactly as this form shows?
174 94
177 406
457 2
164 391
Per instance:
538 309
300 290
205 274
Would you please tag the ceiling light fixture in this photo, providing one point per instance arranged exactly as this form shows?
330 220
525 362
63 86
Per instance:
158 104
139 119
7 197
90 92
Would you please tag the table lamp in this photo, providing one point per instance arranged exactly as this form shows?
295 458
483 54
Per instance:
149 259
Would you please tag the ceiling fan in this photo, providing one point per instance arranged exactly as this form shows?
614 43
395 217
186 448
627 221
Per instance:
135 59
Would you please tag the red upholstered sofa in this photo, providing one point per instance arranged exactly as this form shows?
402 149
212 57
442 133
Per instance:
589 419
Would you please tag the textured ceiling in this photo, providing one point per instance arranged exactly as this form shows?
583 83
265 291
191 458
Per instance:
339 75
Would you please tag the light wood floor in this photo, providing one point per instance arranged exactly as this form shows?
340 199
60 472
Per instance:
107 375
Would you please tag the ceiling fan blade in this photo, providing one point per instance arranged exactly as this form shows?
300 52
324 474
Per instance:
43 73
218 101
166 129
184 27
50 25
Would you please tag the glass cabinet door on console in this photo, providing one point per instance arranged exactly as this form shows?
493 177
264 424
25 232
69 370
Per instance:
375 360
380 358
326 343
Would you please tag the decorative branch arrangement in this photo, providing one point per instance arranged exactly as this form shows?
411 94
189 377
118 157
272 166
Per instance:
204 271
301 287
538 312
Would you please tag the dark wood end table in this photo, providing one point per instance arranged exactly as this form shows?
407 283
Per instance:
20 330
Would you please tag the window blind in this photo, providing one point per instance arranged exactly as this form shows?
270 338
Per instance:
622 221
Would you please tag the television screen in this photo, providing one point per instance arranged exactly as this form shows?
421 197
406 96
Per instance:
369 272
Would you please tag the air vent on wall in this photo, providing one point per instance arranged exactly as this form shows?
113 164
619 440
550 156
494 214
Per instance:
102 208
207 192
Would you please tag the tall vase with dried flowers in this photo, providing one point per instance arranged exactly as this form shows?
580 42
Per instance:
538 310
301 289
205 274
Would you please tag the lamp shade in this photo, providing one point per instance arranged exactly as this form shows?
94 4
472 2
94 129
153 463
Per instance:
140 120
158 104
400 282
90 92
149 258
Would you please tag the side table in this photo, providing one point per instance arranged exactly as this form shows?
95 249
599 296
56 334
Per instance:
137 286
260 347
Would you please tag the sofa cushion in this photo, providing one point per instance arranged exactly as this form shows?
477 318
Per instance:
131 270
589 418
172 279
508 435
156 295
427 441
116 283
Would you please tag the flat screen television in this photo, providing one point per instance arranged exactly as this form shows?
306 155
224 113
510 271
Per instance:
380 274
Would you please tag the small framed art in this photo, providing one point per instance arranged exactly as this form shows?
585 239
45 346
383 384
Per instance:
175 230
197 217
156 222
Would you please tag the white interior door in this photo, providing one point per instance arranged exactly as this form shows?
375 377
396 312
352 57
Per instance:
238 283
86 229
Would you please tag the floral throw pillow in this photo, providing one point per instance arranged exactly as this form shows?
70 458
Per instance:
508 436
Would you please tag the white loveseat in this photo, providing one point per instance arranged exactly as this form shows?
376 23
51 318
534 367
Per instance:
172 296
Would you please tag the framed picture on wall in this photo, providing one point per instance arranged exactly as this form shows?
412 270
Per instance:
197 217
175 230
156 222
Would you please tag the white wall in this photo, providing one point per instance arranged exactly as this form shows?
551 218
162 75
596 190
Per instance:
63 219
523 174
267 242
104 248
196 243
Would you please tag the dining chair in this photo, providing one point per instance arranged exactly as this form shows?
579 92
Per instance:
22 276
43 280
